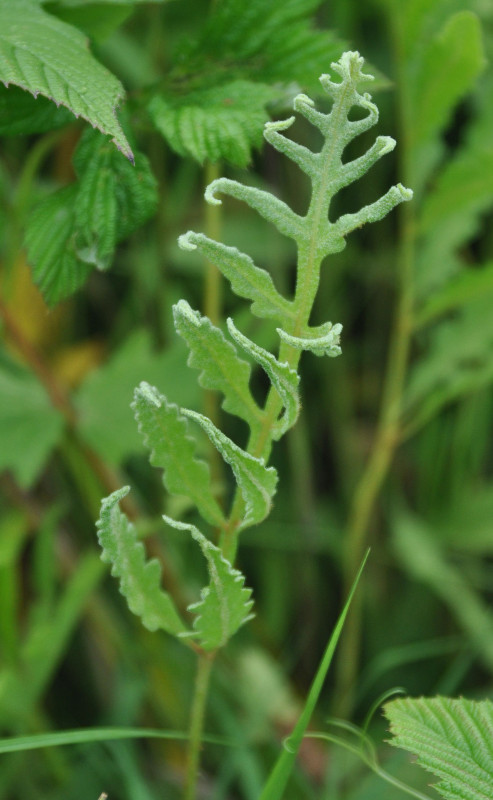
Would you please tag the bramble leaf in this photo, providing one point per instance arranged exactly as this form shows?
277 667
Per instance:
220 366
220 123
44 55
165 433
139 578
246 279
451 738
257 483
225 603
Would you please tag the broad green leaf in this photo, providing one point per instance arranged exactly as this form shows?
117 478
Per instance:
246 279
21 113
139 579
283 378
105 419
459 361
114 198
30 427
469 285
451 738
447 70
257 483
46 56
220 367
220 123
225 604
165 433
51 248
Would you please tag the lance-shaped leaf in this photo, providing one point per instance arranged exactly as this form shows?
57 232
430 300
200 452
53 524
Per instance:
220 367
283 378
257 483
451 738
44 55
139 579
246 279
324 341
225 603
269 207
165 434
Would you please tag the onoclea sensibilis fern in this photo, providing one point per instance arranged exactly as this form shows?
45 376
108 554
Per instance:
167 430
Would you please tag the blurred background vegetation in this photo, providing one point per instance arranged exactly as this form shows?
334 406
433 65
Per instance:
394 445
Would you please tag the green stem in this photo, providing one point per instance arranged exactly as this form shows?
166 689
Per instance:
388 432
197 724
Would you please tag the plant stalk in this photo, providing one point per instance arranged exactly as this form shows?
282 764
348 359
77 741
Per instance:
388 434
196 729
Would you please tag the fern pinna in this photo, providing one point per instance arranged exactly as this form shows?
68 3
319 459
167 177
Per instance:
166 430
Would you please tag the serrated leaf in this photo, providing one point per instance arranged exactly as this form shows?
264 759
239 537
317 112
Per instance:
50 246
21 113
283 378
165 433
267 41
451 738
220 367
220 123
225 603
46 56
139 579
29 425
246 279
447 69
257 483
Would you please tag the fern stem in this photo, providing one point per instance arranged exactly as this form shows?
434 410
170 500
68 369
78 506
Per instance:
212 310
388 432
196 729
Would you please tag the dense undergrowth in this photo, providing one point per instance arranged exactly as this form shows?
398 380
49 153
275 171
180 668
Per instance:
392 446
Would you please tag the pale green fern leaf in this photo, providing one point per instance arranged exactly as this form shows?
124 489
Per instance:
219 365
139 579
165 434
283 378
225 604
246 279
257 483
452 738
44 55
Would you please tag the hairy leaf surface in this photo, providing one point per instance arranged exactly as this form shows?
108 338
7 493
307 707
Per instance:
451 738
165 433
139 579
256 482
46 56
225 603
220 366
246 279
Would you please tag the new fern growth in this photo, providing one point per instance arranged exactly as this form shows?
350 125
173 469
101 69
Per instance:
167 430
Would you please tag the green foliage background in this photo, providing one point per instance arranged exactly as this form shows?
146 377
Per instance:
393 447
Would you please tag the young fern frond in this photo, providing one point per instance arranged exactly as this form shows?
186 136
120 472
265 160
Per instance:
164 426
